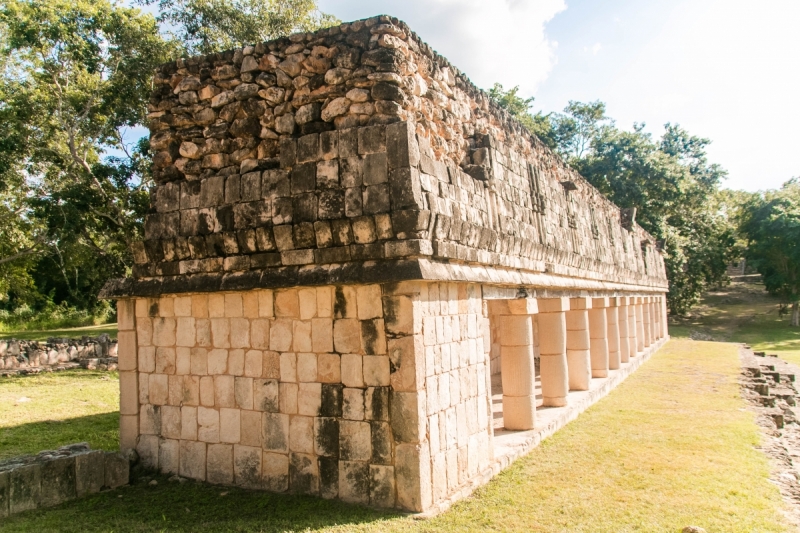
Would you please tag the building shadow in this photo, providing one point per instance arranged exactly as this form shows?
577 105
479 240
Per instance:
171 505
101 431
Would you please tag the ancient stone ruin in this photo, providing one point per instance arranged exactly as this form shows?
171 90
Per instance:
361 279
20 357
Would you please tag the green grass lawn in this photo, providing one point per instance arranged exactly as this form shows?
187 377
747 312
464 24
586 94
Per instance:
48 410
42 335
672 446
742 312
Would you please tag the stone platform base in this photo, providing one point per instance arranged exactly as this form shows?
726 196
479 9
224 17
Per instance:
511 445
55 476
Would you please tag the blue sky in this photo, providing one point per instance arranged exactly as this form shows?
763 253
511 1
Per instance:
727 70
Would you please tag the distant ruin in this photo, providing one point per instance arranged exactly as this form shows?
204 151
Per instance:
359 275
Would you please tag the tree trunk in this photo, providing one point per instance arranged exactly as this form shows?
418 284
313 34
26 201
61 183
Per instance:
796 314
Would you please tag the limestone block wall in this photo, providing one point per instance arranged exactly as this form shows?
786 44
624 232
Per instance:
457 384
374 395
287 390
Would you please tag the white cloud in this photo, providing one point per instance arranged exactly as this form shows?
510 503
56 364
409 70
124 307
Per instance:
489 40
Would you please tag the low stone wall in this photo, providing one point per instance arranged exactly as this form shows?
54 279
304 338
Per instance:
30 357
56 476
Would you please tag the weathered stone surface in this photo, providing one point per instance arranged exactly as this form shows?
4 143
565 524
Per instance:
335 218
117 470
57 481
25 485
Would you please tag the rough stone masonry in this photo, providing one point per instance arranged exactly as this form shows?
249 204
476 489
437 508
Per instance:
347 240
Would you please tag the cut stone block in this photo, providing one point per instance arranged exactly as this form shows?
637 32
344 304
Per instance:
303 474
413 478
169 456
247 466
117 470
354 478
25 484
193 460
275 471
57 481
220 464
89 472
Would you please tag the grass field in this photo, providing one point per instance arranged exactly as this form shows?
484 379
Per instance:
48 410
742 312
41 335
672 446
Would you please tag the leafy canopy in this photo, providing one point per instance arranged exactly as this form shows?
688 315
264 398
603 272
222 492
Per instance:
668 180
205 26
771 225
75 78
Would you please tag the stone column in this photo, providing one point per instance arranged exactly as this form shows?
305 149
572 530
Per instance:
578 343
648 339
664 325
654 318
639 326
624 332
598 337
553 350
517 365
659 325
612 319
127 362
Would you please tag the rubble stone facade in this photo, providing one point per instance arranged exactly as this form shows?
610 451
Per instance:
347 241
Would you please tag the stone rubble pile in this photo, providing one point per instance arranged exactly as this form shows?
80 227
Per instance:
768 384
55 476
31 357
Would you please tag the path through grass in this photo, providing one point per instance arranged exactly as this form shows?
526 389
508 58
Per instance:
742 312
672 446
48 410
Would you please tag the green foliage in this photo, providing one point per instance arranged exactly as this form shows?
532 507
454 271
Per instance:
76 75
771 225
205 26
668 180
52 316
674 189
576 128
520 108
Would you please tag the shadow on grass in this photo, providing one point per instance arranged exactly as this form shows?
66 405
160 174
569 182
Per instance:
101 431
190 506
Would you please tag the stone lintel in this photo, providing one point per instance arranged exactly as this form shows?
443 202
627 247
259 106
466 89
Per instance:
506 282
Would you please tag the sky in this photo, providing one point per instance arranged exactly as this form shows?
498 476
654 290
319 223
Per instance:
726 70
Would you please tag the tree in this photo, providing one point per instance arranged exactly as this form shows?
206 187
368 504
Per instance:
771 226
668 180
520 108
576 128
205 26
74 85
76 76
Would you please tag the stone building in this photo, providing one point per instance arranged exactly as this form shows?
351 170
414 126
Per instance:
359 275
